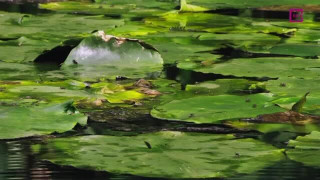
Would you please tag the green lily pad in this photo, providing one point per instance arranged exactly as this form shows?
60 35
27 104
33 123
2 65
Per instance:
265 67
205 5
312 106
171 44
101 49
103 55
16 71
306 149
111 7
294 86
290 90
221 86
211 109
274 127
296 49
26 49
240 37
164 154
18 122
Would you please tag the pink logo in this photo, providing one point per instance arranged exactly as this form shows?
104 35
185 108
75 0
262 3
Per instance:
296 15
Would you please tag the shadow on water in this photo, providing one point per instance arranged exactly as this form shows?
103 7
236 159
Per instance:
185 77
52 60
26 8
254 13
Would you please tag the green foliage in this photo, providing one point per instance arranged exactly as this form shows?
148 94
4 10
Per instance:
265 67
19 122
212 109
297 107
163 154
219 4
306 149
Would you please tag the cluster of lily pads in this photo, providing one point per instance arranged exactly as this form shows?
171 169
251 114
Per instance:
177 87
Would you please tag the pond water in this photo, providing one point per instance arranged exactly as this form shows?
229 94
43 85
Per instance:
200 113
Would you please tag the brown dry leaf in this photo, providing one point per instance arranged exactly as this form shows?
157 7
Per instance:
286 117
143 83
149 91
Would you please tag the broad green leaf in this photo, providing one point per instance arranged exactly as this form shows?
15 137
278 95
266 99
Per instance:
290 90
265 67
212 109
184 7
274 127
221 4
311 106
101 49
296 49
112 7
295 86
30 38
164 154
297 107
306 149
96 54
19 122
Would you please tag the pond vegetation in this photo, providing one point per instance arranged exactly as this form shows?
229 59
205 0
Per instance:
142 89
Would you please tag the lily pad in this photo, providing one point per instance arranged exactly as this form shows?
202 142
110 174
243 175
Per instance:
102 49
310 107
211 109
310 50
306 149
294 86
290 90
274 127
29 38
100 53
221 4
165 154
265 67
18 122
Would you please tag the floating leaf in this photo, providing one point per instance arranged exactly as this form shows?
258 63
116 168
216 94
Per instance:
297 107
165 154
296 49
18 122
100 52
211 109
265 67
221 4
266 127
306 149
